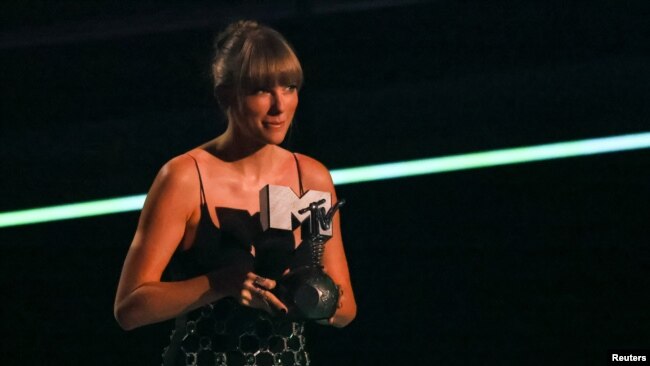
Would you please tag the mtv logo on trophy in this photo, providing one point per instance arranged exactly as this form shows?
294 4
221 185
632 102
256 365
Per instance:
308 291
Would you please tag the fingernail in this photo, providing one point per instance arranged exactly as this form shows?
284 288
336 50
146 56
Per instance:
283 311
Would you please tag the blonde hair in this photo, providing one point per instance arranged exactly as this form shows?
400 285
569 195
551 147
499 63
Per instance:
250 56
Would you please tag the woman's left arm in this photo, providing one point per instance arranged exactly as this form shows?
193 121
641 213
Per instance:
335 263
336 266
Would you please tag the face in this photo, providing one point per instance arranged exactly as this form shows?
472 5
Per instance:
267 113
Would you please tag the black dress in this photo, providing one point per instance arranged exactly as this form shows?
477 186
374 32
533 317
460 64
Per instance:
225 332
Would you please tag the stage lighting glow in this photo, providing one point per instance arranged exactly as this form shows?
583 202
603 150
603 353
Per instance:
491 158
72 211
366 174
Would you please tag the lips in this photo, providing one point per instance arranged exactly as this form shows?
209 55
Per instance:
273 124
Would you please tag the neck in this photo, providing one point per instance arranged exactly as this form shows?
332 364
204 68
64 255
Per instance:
248 157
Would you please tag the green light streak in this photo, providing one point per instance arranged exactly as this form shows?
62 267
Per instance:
72 211
365 174
491 158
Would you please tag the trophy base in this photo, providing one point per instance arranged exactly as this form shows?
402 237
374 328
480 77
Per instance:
308 293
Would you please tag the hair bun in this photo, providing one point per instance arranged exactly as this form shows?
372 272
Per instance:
233 30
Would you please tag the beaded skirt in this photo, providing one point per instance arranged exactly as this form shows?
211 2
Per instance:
227 334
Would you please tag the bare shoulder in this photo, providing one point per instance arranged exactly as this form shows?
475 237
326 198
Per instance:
179 170
173 197
177 180
315 175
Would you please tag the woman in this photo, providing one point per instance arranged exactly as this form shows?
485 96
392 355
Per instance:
200 222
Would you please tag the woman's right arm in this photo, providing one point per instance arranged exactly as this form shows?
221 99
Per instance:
141 297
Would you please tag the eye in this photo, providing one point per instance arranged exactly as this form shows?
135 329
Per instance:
259 91
291 88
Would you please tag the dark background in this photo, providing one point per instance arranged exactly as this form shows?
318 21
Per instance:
541 263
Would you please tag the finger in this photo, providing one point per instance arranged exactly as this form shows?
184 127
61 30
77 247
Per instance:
274 303
340 302
259 292
266 301
261 282
245 297
256 298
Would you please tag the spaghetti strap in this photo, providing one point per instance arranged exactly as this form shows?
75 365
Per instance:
302 192
203 200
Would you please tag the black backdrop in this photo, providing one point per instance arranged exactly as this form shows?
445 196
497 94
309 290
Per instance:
541 263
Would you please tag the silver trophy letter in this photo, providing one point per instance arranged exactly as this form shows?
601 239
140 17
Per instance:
279 203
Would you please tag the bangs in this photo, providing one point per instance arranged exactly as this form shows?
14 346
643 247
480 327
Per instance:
266 62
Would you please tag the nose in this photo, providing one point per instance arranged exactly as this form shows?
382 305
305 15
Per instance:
277 102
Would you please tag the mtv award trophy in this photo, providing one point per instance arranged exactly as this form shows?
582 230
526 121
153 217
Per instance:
307 291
